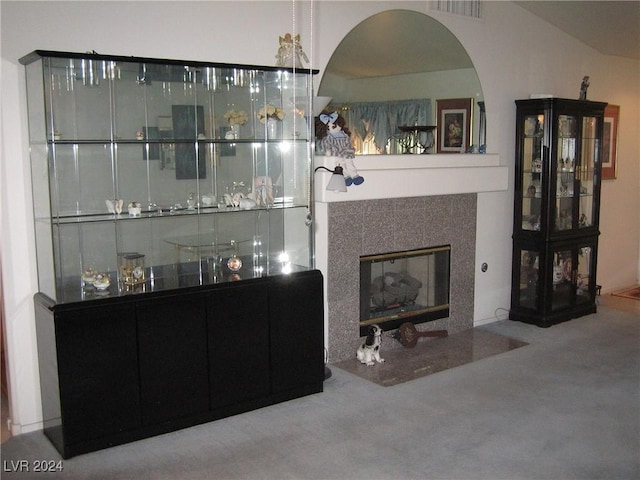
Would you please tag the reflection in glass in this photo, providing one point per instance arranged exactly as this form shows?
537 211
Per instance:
416 58
529 268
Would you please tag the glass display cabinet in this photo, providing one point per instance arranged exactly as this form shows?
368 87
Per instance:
556 209
188 164
171 202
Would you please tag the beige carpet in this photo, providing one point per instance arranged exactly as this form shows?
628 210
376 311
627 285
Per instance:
429 356
633 293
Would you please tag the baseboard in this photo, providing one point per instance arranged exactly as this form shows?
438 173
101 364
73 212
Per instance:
496 318
485 321
18 429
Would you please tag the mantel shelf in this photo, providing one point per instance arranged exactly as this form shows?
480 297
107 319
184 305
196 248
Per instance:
399 176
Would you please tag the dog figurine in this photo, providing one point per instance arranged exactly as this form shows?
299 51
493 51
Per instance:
369 352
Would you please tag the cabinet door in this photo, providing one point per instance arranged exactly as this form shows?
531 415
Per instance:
238 343
297 330
532 167
588 181
526 287
564 169
172 337
573 273
577 184
98 371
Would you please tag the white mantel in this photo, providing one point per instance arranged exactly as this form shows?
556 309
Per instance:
397 176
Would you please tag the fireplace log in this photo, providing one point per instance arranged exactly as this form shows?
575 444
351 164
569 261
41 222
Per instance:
408 335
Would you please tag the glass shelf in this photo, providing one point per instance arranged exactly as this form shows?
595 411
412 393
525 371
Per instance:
166 213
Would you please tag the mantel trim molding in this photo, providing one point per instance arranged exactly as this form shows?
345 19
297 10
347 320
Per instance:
399 176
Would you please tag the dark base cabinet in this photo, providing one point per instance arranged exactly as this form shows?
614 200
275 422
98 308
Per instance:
172 357
120 369
239 369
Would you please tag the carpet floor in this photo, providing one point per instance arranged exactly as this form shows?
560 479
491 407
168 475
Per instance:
564 407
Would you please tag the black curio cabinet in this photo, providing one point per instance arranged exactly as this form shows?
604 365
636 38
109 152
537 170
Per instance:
174 248
556 209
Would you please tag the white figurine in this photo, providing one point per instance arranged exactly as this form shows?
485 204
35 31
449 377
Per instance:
115 205
369 352
290 53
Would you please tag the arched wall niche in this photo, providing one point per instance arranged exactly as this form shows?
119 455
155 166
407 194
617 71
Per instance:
402 55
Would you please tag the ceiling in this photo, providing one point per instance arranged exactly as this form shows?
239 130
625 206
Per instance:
610 27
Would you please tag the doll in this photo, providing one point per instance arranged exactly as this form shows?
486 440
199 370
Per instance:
335 140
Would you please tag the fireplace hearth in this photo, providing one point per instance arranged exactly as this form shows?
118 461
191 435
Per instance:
408 286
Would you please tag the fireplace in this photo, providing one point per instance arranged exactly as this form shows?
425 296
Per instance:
407 202
408 286
364 228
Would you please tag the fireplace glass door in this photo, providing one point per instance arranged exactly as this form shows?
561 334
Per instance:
409 286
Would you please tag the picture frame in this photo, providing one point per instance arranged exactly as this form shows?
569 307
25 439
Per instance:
453 124
151 149
167 147
187 120
610 142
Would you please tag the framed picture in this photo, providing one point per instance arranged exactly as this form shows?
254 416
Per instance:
187 120
168 149
151 150
453 124
610 142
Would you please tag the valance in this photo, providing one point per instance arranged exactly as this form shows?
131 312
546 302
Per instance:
382 119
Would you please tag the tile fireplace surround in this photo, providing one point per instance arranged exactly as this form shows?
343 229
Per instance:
406 202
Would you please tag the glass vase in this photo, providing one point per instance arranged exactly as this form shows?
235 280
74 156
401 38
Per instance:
233 133
273 129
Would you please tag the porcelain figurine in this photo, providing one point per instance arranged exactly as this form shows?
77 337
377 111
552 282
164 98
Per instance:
115 206
134 209
290 53
262 191
247 203
583 87
88 276
191 201
233 200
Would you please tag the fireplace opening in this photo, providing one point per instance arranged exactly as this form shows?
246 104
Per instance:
408 286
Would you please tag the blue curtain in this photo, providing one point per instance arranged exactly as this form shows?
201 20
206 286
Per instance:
382 119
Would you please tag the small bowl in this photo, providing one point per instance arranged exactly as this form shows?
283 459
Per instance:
101 281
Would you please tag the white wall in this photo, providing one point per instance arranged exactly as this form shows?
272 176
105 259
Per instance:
514 53
433 85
